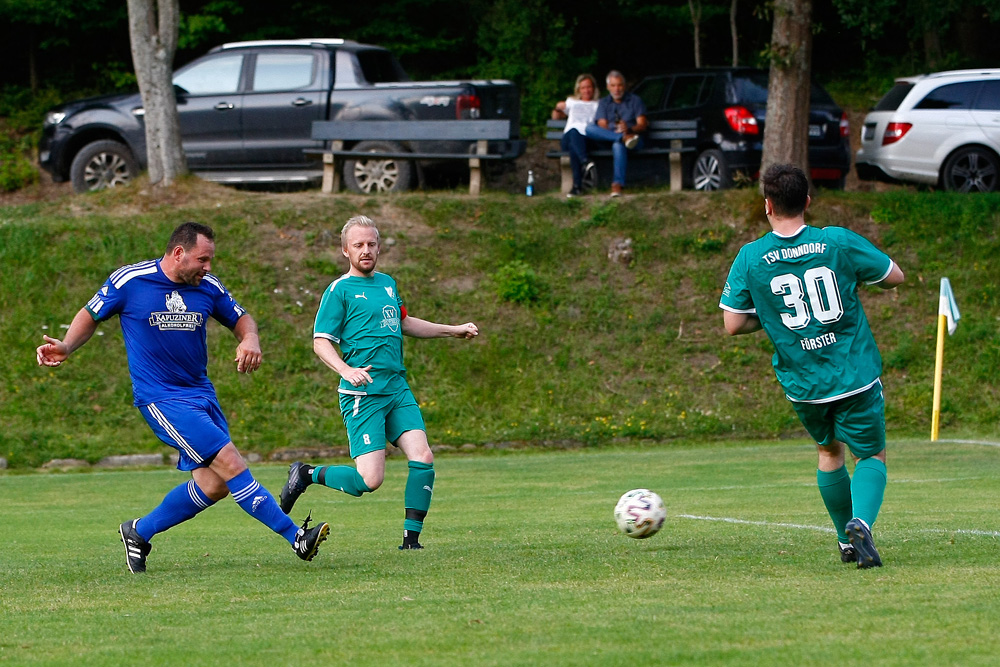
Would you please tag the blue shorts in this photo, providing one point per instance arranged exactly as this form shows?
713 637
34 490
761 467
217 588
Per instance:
195 427
373 419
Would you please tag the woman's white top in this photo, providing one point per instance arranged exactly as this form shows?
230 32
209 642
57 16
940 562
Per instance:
579 114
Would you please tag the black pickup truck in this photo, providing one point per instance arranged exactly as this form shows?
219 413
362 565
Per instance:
246 111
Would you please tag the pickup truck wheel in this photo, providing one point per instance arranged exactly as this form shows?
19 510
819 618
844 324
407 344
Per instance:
377 175
102 164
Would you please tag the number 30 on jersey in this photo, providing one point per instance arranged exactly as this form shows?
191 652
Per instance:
814 295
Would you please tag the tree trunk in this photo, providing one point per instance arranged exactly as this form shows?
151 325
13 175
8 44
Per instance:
153 26
695 7
734 34
786 131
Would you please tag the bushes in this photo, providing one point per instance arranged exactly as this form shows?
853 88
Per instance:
16 168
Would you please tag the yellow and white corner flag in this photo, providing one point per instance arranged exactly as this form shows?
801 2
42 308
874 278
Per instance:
947 319
948 307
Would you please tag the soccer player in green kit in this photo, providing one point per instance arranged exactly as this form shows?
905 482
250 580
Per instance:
362 313
800 284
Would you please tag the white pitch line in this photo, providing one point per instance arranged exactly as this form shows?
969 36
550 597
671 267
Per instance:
962 531
756 523
972 442
825 529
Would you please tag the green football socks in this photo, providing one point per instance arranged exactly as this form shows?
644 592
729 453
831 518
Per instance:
343 478
835 489
417 496
868 489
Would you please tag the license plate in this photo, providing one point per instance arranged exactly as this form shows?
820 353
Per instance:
869 132
815 131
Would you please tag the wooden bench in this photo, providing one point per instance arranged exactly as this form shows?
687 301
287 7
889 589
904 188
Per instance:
337 132
660 131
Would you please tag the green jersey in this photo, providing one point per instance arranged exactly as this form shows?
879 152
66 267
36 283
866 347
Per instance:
804 290
364 317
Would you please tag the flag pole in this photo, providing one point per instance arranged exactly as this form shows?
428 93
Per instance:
948 317
938 370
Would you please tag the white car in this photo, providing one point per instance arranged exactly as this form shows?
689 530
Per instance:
940 129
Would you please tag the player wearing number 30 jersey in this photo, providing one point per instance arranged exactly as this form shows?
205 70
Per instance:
800 285
804 290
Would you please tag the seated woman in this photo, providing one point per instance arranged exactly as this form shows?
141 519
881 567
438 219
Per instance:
578 111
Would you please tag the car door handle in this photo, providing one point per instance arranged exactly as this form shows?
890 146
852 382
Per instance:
223 106
301 102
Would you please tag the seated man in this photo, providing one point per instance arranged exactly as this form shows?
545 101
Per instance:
620 120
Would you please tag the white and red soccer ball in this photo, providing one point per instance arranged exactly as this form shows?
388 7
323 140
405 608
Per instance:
640 513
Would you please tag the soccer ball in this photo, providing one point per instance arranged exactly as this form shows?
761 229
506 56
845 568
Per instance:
640 513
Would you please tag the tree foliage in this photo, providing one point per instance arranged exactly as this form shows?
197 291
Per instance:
83 48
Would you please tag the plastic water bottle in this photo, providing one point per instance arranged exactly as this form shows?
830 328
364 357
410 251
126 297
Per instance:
530 190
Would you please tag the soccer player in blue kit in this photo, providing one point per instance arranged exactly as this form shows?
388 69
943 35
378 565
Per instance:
363 313
799 284
163 306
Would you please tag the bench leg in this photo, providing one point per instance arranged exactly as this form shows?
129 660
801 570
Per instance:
475 176
331 169
475 168
675 166
329 172
566 174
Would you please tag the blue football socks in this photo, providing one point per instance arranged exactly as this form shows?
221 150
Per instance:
258 502
182 503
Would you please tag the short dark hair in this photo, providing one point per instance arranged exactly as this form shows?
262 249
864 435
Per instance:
186 235
787 187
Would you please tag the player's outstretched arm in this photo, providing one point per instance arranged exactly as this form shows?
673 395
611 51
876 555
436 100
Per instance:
55 351
248 355
418 328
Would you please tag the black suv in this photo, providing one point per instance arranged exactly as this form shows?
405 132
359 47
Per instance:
730 104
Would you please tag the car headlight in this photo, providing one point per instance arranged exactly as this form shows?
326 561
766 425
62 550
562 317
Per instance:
54 117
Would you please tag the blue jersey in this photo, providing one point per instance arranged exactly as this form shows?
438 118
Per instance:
163 324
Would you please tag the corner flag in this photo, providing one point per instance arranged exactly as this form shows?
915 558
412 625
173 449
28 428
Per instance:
948 307
948 317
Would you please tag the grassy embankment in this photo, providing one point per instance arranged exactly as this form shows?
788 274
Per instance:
602 352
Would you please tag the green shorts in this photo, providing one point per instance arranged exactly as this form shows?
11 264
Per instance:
371 420
858 421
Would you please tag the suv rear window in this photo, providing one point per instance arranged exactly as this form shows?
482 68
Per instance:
751 88
989 97
689 91
952 96
891 100
650 91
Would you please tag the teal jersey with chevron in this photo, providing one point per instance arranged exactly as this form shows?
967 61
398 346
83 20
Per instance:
804 290
364 317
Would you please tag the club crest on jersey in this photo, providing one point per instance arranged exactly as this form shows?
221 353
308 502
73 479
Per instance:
176 317
390 318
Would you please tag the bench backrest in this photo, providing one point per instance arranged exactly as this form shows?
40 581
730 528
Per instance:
410 130
663 130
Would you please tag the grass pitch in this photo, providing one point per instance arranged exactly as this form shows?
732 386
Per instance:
523 566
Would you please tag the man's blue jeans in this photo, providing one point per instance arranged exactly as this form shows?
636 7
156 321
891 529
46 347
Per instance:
618 151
